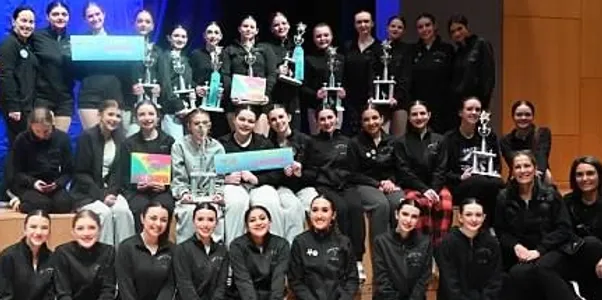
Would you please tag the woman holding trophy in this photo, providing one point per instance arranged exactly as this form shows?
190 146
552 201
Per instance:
245 67
151 78
206 63
193 171
182 98
323 71
289 56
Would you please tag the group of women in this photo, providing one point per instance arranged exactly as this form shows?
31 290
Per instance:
38 70
407 184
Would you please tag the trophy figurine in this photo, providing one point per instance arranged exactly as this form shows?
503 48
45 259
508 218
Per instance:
183 91
211 181
386 82
297 60
212 99
148 83
482 159
332 87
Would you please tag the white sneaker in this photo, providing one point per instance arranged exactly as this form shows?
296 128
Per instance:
361 273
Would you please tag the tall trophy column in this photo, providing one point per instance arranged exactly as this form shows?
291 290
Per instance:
384 87
332 87
212 99
482 159
149 83
185 92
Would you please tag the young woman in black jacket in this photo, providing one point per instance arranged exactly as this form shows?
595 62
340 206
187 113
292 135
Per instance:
373 178
95 185
250 187
200 264
322 262
151 140
259 259
282 44
473 65
235 63
460 144
99 80
54 81
584 204
470 259
290 187
526 135
144 261
19 69
317 73
200 62
85 267
159 73
26 270
403 259
327 170
41 166
401 68
421 160
432 73
534 229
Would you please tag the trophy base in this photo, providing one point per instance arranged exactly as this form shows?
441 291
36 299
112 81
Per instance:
250 102
488 174
184 91
384 82
211 108
380 102
290 80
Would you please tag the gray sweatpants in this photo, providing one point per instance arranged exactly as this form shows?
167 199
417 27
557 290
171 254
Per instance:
379 205
117 221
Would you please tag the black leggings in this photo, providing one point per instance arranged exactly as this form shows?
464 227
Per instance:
58 202
350 216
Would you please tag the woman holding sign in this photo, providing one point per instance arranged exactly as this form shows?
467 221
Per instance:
243 59
94 184
99 79
192 156
138 189
244 187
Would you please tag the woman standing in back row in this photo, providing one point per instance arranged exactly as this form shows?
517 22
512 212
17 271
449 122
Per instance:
432 74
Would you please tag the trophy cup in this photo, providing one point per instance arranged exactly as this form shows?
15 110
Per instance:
297 59
249 90
148 83
332 87
212 99
482 159
386 83
184 92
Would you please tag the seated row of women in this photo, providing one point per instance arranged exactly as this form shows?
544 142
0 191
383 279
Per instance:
368 173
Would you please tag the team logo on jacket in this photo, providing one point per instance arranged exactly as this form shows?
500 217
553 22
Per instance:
24 54
312 252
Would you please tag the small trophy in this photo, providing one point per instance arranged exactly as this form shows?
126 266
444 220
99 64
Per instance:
386 82
212 100
148 83
482 159
249 90
332 87
183 91
297 59
213 182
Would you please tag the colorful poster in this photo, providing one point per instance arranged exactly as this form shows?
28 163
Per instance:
254 160
150 168
248 88
107 48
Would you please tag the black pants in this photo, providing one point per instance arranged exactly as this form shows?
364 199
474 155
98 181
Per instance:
485 189
543 278
350 216
138 201
13 127
58 202
582 268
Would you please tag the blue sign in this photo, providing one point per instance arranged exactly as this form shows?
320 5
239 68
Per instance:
107 48
254 160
